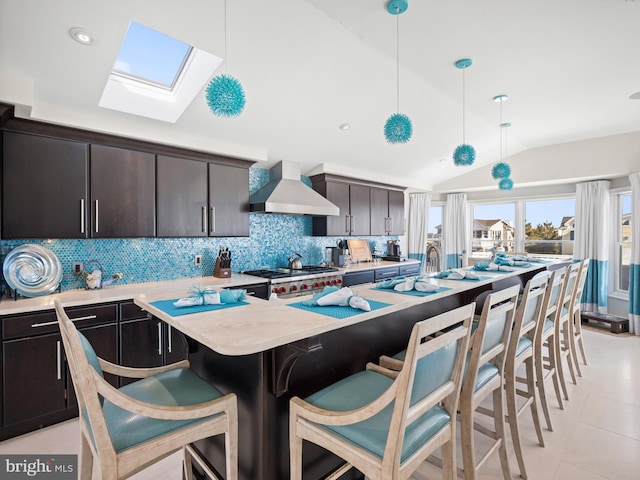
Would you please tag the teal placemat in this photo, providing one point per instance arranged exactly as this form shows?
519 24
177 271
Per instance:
337 311
489 271
466 279
415 293
167 307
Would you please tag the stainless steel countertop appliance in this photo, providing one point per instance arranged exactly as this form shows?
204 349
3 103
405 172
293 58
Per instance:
287 282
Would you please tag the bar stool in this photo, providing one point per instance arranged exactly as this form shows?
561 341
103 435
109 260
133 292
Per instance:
575 324
564 317
528 319
546 367
485 376
385 427
130 428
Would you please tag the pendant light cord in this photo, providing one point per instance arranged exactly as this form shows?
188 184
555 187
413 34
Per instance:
397 63
225 36
501 128
463 106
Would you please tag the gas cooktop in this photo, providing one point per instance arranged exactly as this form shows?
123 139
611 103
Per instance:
290 272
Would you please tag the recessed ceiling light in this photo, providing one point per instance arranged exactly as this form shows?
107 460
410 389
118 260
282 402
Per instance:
82 35
635 96
345 126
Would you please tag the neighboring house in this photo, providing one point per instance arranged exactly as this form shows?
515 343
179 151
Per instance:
566 231
492 233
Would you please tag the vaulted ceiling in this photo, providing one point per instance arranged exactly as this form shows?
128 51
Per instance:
307 67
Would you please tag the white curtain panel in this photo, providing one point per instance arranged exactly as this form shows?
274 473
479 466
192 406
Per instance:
592 232
634 270
456 229
419 204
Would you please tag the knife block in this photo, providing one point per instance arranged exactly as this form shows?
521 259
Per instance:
221 272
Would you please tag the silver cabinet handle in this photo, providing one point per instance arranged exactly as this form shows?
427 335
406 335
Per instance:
204 219
59 360
352 224
169 342
347 224
46 324
159 339
212 228
82 215
97 216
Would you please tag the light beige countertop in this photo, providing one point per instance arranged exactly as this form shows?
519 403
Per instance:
262 325
114 293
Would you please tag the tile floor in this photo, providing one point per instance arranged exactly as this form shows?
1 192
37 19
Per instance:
596 437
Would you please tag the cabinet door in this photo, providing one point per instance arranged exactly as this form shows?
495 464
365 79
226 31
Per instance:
360 209
396 212
104 340
141 344
338 194
228 201
176 346
379 211
122 193
44 187
33 380
181 192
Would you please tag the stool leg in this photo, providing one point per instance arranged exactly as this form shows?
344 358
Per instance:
467 442
556 368
295 451
557 347
86 459
449 467
498 411
512 416
531 390
578 324
188 468
539 371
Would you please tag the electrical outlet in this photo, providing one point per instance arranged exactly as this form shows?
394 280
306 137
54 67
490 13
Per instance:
197 260
76 267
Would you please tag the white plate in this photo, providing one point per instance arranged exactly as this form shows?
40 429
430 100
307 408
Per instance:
32 270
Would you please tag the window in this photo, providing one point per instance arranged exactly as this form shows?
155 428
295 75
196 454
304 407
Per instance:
624 242
493 229
155 75
434 239
435 223
549 226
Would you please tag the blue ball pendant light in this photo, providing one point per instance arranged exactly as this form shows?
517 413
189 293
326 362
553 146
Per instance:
502 171
398 127
505 184
464 154
224 94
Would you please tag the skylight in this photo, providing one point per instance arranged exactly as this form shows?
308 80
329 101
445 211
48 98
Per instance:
156 75
151 56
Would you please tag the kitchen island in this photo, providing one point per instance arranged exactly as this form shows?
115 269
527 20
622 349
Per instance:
267 352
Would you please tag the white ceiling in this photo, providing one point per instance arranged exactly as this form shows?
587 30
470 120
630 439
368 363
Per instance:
568 66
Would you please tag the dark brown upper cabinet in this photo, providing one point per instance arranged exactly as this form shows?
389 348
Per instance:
228 201
123 194
199 199
44 187
181 191
387 212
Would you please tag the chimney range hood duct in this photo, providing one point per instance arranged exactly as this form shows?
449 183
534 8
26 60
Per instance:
286 194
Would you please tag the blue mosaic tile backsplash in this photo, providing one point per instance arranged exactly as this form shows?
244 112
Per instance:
272 240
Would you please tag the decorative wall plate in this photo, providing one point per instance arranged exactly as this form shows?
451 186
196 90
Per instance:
32 270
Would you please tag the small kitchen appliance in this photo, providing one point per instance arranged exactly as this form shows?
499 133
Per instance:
393 252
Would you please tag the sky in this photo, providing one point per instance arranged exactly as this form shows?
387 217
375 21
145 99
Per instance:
536 213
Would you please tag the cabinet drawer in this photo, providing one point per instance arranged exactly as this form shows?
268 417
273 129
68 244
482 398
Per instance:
357 278
39 323
411 269
131 311
385 272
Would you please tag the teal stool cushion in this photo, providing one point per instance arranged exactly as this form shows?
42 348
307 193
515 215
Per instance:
173 388
360 389
524 343
485 373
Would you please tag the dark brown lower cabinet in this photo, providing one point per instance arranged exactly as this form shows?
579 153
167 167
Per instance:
146 341
37 390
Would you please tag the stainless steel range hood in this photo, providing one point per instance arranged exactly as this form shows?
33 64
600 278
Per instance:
286 194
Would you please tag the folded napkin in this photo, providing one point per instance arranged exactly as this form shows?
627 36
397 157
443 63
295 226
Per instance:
342 297
443 274
232 296
459 275
392 282
405 286
424 285
199 296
